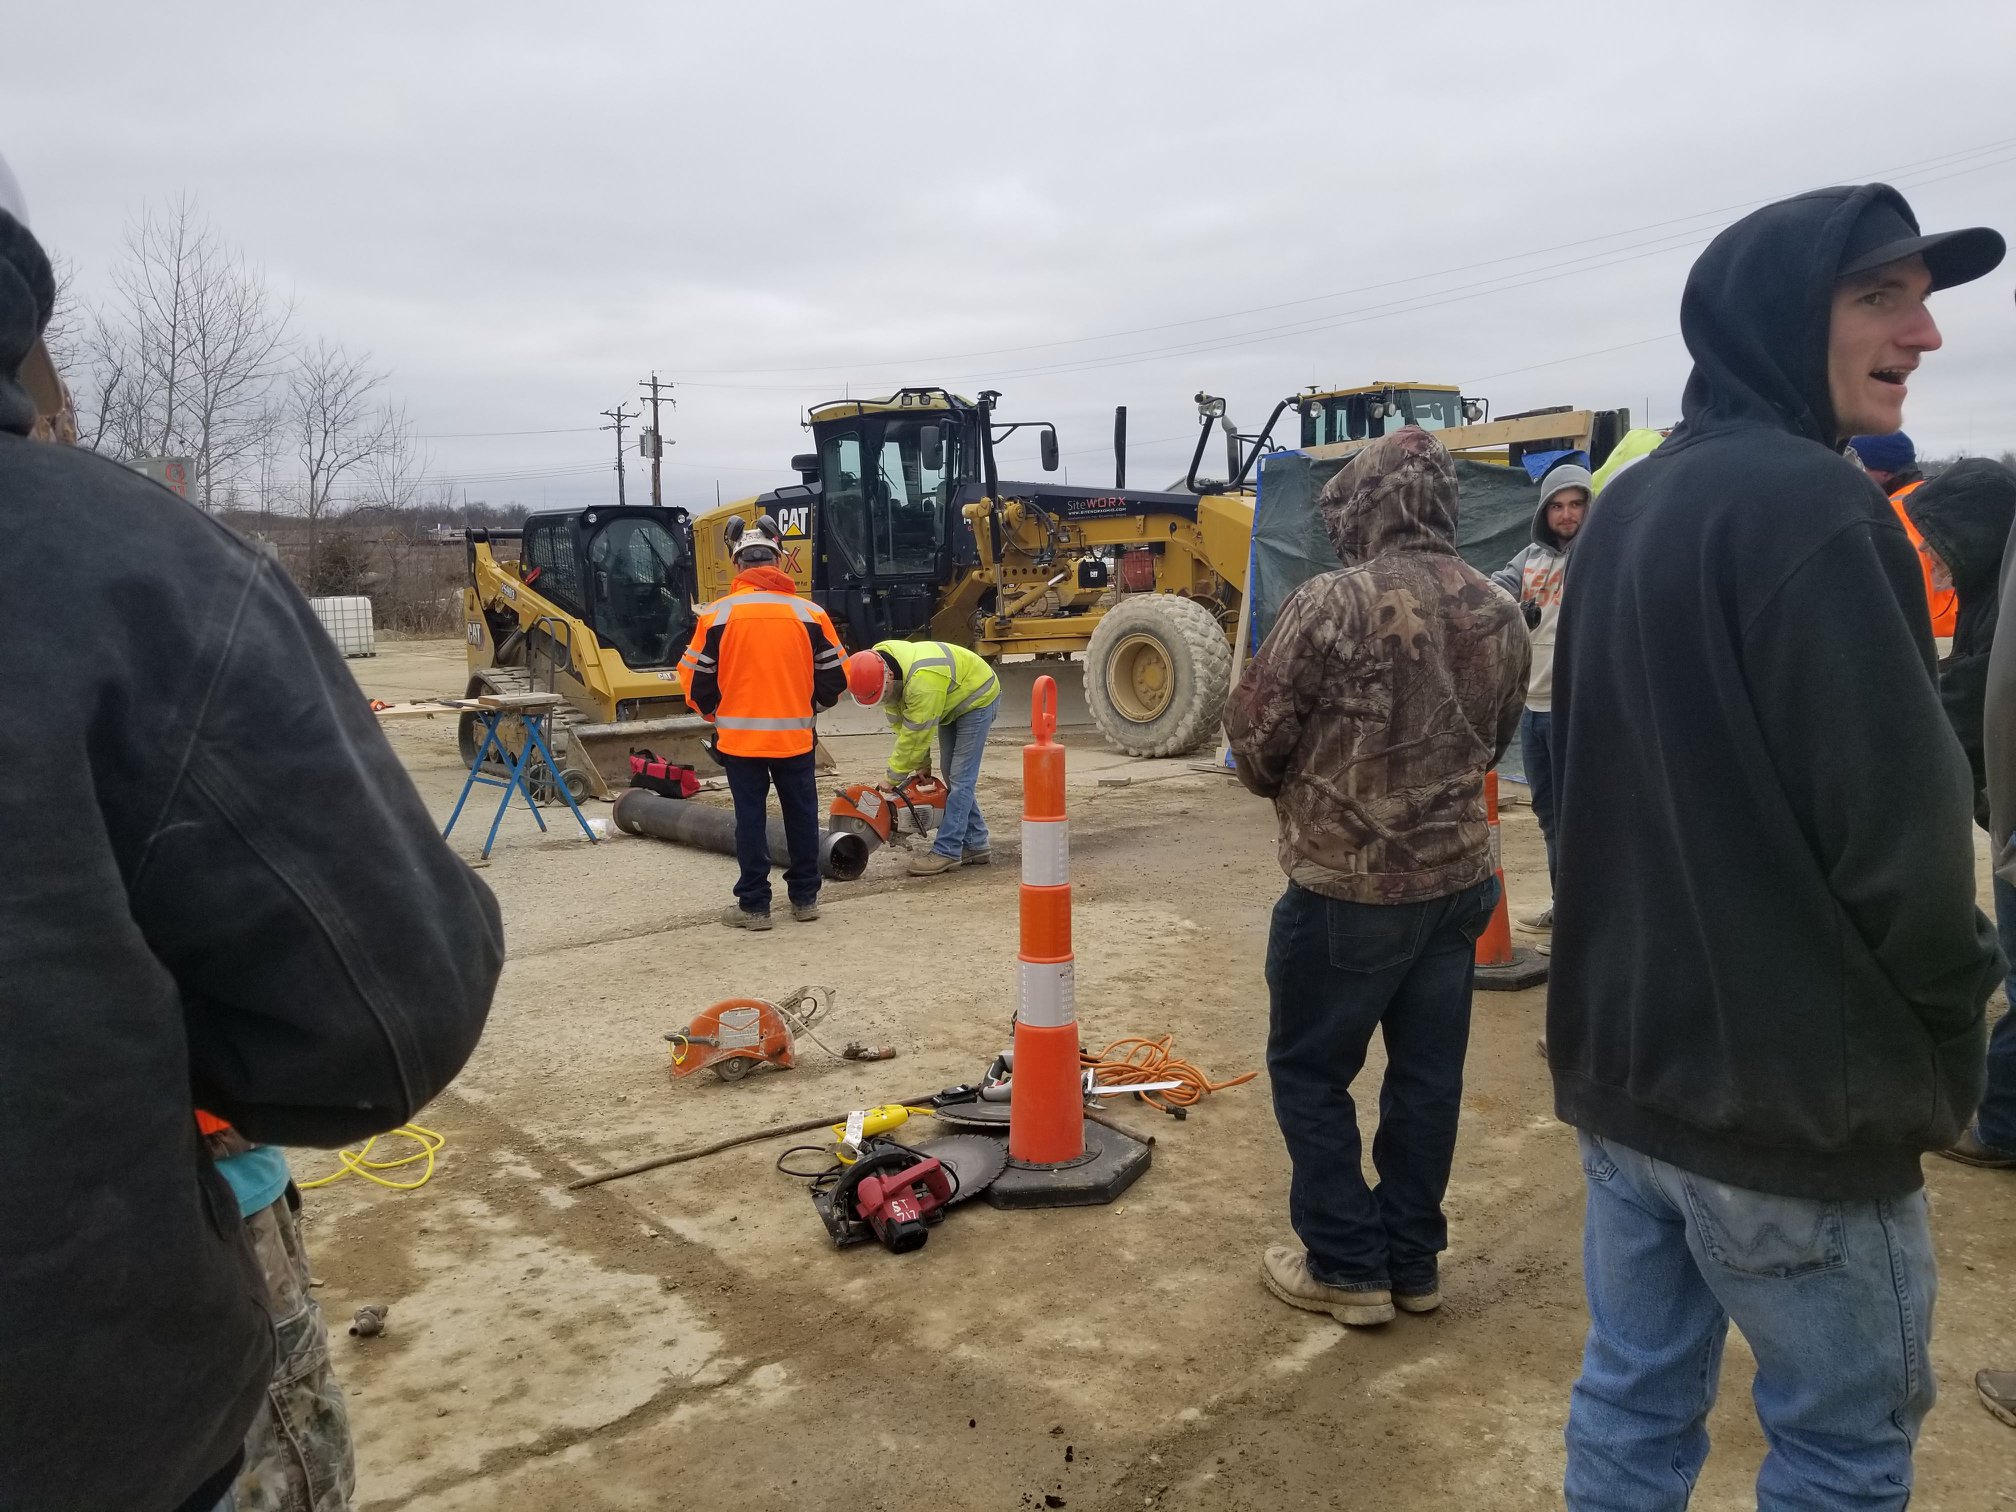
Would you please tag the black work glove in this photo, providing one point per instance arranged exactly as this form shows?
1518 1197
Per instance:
1531 609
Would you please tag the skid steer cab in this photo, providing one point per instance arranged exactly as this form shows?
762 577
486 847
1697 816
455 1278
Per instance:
901 527
597 606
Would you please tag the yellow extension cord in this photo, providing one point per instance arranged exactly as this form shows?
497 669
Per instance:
359 1162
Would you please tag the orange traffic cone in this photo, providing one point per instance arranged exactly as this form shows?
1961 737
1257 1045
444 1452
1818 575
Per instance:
1046 1124
1501 965
1055 1158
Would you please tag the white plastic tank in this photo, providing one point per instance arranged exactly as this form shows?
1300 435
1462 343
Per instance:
349 623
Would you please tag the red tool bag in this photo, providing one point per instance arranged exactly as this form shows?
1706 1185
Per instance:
666 778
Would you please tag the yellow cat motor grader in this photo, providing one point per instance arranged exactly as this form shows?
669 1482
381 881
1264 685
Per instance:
901 528
598 608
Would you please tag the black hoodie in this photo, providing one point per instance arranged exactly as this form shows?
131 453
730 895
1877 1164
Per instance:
218 889
1768 967
1964 514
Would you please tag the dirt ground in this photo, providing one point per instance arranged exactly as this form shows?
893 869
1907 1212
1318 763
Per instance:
690 1336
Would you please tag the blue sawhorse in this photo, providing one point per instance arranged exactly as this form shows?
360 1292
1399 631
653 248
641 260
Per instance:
531 711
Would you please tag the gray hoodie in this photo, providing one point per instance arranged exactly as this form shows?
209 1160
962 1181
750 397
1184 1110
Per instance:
1536 575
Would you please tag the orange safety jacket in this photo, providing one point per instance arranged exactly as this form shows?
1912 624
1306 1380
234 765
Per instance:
763 661
1944 602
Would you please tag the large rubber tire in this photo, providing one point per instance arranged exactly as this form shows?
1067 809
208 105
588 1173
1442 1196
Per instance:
1157 672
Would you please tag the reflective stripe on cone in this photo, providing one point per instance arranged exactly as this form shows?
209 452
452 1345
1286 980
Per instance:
1046 1104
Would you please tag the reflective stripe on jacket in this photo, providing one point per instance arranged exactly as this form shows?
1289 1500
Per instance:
762 662
1943 602
940 682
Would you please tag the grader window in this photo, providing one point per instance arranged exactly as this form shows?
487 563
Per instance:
910 505
844 502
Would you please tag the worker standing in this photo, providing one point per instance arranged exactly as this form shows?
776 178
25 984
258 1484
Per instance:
1370 714
186 930
949 689
1769 972
762 663
1892 461
1536 578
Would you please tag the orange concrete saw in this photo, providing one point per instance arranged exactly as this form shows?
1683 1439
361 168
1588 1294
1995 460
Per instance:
881 814
734 1037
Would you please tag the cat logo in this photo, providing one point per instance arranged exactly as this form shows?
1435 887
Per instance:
795 520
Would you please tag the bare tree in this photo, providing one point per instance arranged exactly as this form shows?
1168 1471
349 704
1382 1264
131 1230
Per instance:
334 426
188 356
397 471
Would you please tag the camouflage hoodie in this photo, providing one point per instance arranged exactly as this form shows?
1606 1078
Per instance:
1385 691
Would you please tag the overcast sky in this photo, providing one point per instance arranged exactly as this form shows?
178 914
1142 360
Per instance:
520 210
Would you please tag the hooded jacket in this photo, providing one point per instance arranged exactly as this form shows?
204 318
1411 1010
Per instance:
1536 575
218 888
1767 965
1964 515
1385 691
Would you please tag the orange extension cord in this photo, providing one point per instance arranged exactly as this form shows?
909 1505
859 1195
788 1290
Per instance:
1138 1059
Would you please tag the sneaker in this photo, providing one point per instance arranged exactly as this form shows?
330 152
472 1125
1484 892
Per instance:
735 916
931 863
1418 1302
981 857
1997 1390
1544 948
1286 1272
805 913
1539 923
1969 1150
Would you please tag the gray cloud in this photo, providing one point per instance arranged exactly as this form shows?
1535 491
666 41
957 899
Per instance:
520 213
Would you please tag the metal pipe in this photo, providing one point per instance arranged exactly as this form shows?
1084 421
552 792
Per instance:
1119 446
843 855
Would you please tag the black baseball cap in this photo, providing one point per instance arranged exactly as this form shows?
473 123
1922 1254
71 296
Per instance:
1885 232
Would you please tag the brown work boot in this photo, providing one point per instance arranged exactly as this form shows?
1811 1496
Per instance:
931 863
735 916
1969 1150
981 857
1997 1390
805 913
1286 1272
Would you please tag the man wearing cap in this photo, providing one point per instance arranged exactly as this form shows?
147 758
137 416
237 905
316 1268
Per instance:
1769 973
183 932
1893 462
762 663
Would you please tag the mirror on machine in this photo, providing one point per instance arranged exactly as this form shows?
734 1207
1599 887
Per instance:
1049 447
931 448
806 465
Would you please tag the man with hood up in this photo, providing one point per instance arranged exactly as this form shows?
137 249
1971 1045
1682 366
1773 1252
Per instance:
1769 973
1535 578
1380 698
1964 517
223 893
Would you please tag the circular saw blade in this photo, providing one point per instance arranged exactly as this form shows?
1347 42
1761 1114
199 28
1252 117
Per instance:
976 1159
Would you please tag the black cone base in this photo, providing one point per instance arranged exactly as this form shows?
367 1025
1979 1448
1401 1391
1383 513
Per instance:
1113 1163
1527 968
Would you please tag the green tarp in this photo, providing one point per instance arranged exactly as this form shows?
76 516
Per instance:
1494 520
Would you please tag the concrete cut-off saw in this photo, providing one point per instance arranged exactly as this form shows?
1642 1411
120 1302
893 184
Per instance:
882 814
736 1036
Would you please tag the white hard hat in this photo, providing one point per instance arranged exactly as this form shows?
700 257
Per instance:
764 533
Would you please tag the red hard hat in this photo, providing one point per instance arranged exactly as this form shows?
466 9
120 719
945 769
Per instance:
867 677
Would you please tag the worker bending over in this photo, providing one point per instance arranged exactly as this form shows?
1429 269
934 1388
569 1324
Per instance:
929 685
762 663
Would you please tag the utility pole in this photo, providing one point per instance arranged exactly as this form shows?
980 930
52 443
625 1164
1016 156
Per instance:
653 445
618 419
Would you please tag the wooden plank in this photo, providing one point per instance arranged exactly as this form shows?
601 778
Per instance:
1573 424
423 709
520 700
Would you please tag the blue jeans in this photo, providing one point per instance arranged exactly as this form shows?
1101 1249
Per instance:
1996 1123
1337 971
1835 1299
961 744
1536 753
749 780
